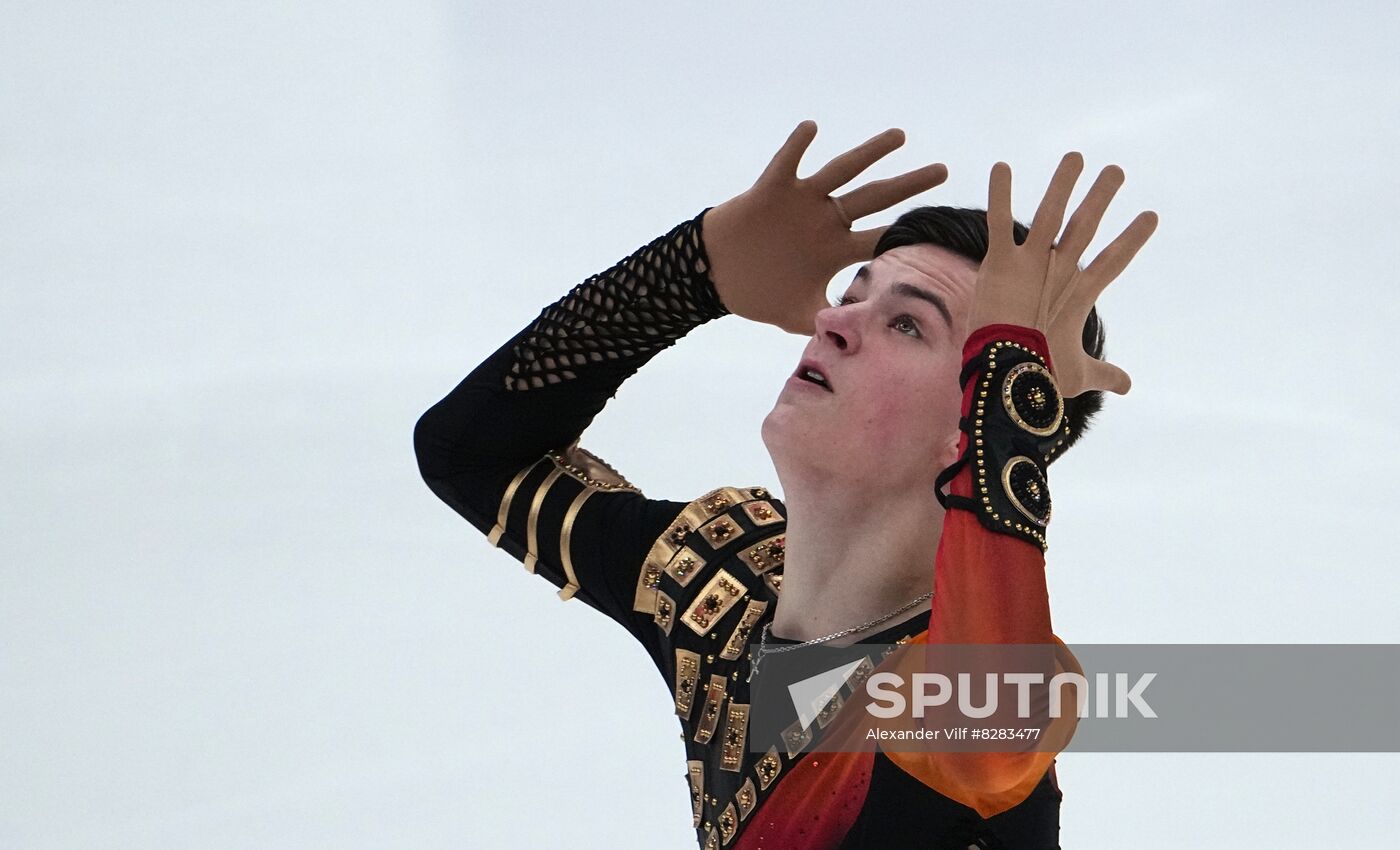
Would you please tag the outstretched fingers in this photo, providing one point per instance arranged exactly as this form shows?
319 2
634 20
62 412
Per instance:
844 168
1051 212
785 161
1078 234
1112 260
1085 221
1000 236
883 194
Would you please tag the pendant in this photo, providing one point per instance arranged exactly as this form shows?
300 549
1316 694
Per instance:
753 664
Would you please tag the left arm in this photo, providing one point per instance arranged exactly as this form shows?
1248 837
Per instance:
989 583
989 578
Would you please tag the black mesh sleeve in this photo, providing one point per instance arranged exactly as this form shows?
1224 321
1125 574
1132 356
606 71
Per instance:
502 449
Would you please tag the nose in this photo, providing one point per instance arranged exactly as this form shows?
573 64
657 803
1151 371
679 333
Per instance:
838 326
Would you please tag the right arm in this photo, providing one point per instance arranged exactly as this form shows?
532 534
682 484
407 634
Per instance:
1024 356
502 449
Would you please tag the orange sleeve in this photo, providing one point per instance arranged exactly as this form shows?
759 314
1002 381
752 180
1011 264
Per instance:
989 575
991 783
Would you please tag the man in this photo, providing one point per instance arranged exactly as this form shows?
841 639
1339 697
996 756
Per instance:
884 400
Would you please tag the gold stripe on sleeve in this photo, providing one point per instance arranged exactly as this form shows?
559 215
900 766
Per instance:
499 530
532 544
565 555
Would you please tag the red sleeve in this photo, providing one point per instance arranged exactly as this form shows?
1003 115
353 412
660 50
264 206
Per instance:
989 575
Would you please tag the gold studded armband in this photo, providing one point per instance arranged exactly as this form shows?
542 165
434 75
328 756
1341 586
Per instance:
1013 421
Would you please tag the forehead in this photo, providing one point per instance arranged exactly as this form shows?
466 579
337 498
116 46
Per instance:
931 263
944 276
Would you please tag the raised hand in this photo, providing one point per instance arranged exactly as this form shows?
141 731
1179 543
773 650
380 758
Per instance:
775 247
1039 283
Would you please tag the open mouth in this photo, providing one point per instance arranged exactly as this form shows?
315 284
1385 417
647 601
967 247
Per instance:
814 376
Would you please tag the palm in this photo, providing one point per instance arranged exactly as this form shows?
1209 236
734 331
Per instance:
774 248
1039 283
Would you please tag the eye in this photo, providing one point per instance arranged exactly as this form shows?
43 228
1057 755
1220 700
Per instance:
907 320
903 320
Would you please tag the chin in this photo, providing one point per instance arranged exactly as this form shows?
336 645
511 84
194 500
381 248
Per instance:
770 429
783 437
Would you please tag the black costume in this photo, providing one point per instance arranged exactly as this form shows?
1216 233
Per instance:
693 581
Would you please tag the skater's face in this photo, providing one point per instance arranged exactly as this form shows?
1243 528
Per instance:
890 354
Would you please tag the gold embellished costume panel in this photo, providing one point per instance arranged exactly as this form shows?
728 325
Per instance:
713 511
739 638
713 602
735 724
765 555
687 679
709 715
715 568
718 568
696 772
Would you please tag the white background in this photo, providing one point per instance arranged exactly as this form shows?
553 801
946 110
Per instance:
244 245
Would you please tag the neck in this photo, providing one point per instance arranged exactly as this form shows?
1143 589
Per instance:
853 555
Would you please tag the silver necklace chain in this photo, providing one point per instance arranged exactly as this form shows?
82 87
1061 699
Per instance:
765 649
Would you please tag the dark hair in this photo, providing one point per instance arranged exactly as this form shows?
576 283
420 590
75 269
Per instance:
963 231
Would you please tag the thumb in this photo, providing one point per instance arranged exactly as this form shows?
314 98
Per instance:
1103 375
802 317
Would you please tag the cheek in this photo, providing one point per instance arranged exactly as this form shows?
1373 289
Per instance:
915 412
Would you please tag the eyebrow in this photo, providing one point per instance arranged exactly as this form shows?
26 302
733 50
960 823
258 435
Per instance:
909 290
